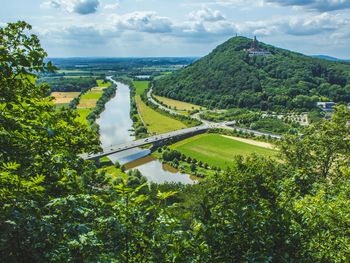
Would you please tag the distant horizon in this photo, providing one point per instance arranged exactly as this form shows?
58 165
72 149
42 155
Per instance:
140 28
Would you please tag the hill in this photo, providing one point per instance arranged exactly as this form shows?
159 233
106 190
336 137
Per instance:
230 77
330 58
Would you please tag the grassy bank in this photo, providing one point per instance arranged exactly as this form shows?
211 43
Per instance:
217 150
155 122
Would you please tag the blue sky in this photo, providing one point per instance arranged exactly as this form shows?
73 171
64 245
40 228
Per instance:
121 28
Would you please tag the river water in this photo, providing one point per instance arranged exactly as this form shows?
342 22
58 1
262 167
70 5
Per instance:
116 128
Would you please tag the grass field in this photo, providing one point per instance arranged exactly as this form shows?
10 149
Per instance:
178 105
217 150
83 113
100 83
155 121
64 97
140 86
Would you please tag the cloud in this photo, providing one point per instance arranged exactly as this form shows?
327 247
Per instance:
112 6
324 23
206 14
82 7
319 5
148 22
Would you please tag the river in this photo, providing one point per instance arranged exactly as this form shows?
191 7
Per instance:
116 128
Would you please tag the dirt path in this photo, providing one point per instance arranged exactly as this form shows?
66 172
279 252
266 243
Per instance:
252 142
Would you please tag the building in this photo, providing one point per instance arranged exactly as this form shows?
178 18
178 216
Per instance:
255 50
326 106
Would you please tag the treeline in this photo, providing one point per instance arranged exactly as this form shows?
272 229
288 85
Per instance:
234 114
186 164
284 81
107 94
76 84
140 129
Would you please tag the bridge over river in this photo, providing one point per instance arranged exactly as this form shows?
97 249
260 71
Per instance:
175 135
150 140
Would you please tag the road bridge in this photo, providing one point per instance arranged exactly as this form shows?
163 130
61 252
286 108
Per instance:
179 134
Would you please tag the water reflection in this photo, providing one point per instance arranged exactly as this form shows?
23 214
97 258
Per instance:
157 172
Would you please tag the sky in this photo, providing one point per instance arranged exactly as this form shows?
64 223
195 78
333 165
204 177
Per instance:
155 28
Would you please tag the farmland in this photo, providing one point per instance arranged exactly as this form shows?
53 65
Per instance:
154 121
218 150
64 97
177 105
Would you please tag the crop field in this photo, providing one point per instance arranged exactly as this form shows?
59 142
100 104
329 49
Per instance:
89 99
156 122
64 97
217 150
177 105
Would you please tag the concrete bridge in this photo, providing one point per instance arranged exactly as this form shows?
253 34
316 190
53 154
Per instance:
156 139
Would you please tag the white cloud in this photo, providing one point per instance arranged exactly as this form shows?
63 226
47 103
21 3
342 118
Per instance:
206 14
148 22
82 7
112 6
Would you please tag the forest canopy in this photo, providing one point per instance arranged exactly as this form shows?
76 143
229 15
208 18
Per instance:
228 77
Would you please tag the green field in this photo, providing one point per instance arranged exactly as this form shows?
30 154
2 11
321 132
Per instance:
83 113
178 105
217 150
154 121
100 83
91 95
140 86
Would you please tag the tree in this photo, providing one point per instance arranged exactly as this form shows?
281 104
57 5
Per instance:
39 147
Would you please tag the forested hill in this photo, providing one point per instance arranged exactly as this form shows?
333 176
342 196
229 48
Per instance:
229 77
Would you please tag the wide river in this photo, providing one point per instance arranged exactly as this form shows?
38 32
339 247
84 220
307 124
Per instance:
116 128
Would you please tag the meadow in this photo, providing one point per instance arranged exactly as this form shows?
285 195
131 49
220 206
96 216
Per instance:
217 150
154 121
177 105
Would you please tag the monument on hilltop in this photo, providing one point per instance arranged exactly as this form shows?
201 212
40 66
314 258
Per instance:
255 50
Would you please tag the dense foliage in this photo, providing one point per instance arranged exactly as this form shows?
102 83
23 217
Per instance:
64 84
286 80
55 207
107 94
